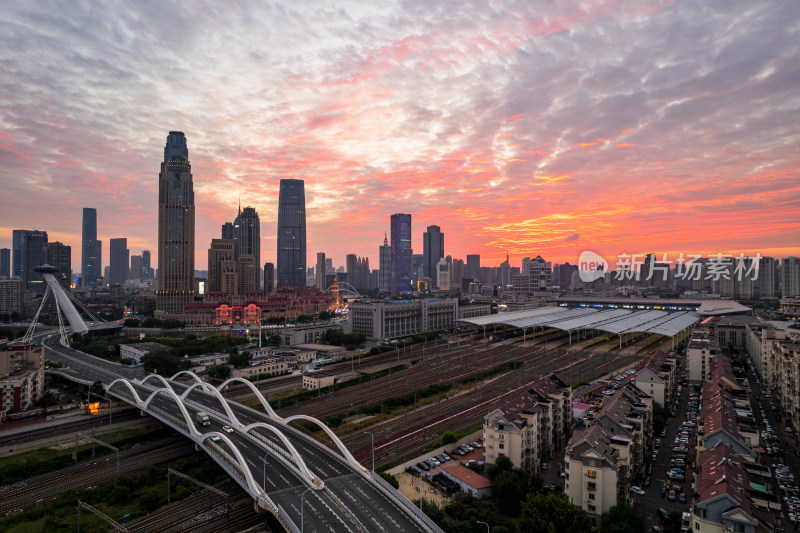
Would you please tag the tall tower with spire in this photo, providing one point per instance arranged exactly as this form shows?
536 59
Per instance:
175 286
385 266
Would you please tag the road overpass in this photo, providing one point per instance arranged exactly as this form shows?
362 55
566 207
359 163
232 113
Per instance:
302 482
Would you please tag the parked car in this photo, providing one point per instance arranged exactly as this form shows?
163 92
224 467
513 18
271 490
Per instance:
671 496
682 497
637 490
424 466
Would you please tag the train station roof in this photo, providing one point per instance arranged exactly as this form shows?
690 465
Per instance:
615 321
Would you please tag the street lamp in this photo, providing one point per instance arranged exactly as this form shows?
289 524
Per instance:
302 500
484 523
372 437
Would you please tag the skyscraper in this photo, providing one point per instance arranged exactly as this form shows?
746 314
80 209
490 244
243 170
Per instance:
60 256
473 267
175 228
320 272
269 277
401 253
432 251
119 261
5 263
385 267
136 268
247 233
91 249
222 275
227 230
791 277
292 233
147 272
32 245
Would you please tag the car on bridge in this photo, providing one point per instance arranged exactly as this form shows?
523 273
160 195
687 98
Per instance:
227 429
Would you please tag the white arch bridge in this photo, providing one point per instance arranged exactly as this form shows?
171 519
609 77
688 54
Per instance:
274 462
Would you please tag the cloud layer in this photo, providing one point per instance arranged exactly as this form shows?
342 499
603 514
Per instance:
526 127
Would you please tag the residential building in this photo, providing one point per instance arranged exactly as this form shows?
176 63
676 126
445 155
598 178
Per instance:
292 233
532 426
147 271
136 268
790 269
767 277
10 296
119 263
702 347
472 269
21 376
401 254
655 376
176 239
270 366
222 272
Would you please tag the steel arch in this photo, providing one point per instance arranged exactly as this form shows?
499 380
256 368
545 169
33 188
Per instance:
239 458
127 384
270 411
192 430
339 444
301 465
162 379
189 372
189 389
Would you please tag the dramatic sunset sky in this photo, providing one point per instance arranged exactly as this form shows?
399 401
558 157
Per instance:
533 127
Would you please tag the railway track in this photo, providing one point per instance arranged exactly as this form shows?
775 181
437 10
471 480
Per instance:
95 472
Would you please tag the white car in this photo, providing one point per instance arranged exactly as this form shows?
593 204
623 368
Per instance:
637 490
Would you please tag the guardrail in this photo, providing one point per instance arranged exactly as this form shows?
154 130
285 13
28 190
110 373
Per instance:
398 496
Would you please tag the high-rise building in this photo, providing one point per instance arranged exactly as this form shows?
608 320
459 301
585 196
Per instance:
175 286
119 261
472 269
5 263
401 253
456 272
320 272
247 270
221 263
292 233
269 278
247 234
136 268
432 251
16 252
91 249
767 268
147 272
504 274
32 244
227 230
791 277
443 274
59 256
10 296
385 267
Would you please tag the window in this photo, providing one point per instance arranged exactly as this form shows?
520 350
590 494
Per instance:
697 526
592 486
592 508
592 474
501 446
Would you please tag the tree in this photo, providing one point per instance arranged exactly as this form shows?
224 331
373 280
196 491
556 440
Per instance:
508 489
240 360
219 372
97 388
502 464
161 362
390 479
623 518
552 513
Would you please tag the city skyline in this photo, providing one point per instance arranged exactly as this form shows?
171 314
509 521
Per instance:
528 129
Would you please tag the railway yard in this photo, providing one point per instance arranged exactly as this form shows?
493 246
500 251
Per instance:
458 381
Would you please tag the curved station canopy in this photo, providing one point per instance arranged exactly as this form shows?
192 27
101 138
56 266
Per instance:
616 321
